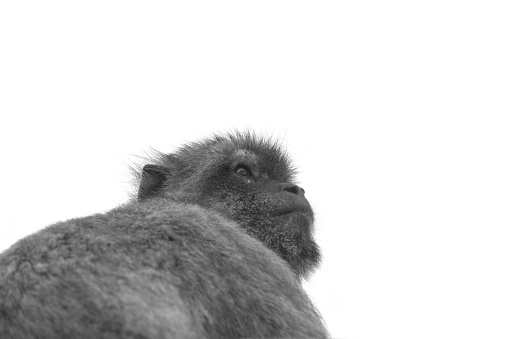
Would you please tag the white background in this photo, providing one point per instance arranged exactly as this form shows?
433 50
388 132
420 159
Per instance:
395 112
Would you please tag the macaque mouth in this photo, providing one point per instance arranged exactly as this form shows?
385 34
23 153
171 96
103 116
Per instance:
297 220
306 211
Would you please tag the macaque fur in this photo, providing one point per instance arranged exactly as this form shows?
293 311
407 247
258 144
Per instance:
214 245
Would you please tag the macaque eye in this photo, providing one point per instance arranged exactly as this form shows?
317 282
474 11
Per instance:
243 171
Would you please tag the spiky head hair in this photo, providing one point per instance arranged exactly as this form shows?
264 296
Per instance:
195 160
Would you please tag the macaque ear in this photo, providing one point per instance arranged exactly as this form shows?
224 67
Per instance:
152 180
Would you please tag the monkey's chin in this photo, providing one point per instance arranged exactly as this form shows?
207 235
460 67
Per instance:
299 248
